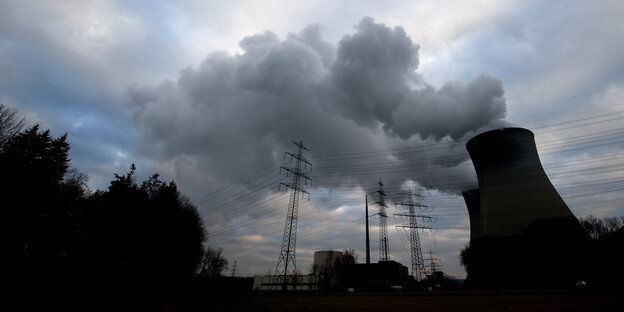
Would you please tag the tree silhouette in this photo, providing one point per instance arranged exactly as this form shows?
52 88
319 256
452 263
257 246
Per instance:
58 235
33 190
602 228
58 238
213 263
9 124
148 235
606 251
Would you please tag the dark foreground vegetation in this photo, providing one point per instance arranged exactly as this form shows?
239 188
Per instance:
66 243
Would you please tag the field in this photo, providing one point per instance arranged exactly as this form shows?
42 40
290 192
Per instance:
566 300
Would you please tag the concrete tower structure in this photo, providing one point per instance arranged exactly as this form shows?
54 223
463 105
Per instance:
514 190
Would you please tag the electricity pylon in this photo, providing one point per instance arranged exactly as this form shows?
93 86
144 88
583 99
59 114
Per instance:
286 264
234 269
434 263
418 263
384 249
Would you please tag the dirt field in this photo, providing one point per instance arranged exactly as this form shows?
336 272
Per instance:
574 300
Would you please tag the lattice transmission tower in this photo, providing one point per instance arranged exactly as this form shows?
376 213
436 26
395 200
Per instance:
384 249
286 264
234 268
418 263
434 263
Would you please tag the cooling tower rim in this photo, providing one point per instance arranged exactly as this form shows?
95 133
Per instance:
497 132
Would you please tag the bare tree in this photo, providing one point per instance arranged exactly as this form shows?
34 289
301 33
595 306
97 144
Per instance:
349 256
599 228
213 263
9 123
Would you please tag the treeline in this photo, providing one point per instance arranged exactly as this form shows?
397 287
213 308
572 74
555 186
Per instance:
554 253
58 235
606 250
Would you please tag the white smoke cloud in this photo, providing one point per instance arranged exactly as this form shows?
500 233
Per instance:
245 109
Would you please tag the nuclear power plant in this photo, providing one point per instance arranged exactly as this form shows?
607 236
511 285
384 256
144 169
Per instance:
514 190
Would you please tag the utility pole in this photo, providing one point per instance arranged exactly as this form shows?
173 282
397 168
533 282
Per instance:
383 229
286 264
418 264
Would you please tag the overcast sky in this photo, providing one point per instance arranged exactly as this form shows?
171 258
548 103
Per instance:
212 93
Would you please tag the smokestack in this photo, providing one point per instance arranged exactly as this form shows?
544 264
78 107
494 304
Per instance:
514 190
367 240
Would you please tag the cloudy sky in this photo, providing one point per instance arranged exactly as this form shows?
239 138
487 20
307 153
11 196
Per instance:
212 93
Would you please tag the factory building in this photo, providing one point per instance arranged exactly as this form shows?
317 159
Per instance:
331 274
514 190
324 261
383 275
293 282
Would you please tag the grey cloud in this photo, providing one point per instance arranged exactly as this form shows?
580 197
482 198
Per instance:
282 69
452 110
375 70
311 36
65 65
364 93
371 70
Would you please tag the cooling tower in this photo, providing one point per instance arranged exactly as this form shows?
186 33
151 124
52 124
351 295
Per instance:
514 190
471 197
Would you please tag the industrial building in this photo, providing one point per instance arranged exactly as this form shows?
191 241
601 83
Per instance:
324 261
293 282
326 258
359 276
514 190
383 275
